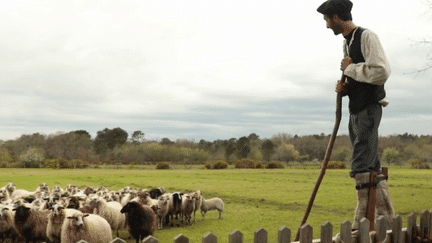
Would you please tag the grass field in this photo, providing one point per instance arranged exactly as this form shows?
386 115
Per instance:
253 198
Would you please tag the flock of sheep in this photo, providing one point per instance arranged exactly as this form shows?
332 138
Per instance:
94 214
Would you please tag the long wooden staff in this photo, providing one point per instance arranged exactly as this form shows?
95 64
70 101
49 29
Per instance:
326 158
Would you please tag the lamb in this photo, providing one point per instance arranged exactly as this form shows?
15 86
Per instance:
109 211
140 219
7 228
89 227
31 224
212 204
56 218
187 207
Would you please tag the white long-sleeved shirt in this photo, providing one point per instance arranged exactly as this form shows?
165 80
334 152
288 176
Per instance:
376 69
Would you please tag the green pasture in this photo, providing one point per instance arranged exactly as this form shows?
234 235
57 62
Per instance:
253 198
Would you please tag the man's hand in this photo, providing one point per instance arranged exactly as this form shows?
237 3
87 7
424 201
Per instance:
345 63
341 88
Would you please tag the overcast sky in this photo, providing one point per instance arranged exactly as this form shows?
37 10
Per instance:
210 69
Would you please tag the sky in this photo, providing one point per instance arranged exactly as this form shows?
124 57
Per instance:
194 69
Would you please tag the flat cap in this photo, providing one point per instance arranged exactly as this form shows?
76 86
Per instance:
331 7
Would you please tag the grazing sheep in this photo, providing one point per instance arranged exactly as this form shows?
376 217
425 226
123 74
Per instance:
56 218
109 211
212 204
31 224
187 207
7 228
140 219
89 227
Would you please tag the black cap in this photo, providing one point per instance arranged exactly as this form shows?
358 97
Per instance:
338 7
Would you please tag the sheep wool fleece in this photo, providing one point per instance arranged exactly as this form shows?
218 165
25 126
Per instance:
383 205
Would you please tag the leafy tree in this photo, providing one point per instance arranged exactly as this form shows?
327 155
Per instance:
137 137
32 157
267 149
166 141
253 136
342 153
286 152
108 139
243 147
390 155
229 150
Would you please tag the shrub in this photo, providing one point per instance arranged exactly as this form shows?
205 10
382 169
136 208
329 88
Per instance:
418 163
217 164
248 164
390 155
275 165
163 166
342 153
336 165
64 163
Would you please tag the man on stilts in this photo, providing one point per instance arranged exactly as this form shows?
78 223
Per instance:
367 69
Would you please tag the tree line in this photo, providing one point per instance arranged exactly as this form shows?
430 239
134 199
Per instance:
115 146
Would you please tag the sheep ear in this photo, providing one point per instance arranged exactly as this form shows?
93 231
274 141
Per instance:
70 217
86 215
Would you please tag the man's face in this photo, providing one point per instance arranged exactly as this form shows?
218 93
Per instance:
331 24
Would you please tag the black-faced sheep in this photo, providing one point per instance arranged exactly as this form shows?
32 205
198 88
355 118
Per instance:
140 220
89 227
212 204
155 193
177 201
31 224
109 211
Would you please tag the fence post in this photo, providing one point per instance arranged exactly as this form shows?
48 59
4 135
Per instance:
209 238
326 232
235 237
118 240
381 228
411 228
150 239
181 239
397 229
260 236
424 223
306 234
345 231
363 231
284 235
82 241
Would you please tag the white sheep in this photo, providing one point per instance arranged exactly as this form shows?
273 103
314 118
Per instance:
89 227
7 228
212 204
187 207
198 201
56 218
162 210
109 211
20 193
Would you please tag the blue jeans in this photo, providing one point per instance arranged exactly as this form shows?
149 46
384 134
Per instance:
363 131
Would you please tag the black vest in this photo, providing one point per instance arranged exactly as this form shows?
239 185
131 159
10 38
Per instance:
361 94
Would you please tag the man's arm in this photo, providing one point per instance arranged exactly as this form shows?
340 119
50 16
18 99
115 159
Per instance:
376 69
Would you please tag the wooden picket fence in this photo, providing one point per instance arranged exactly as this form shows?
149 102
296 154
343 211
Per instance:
413 233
